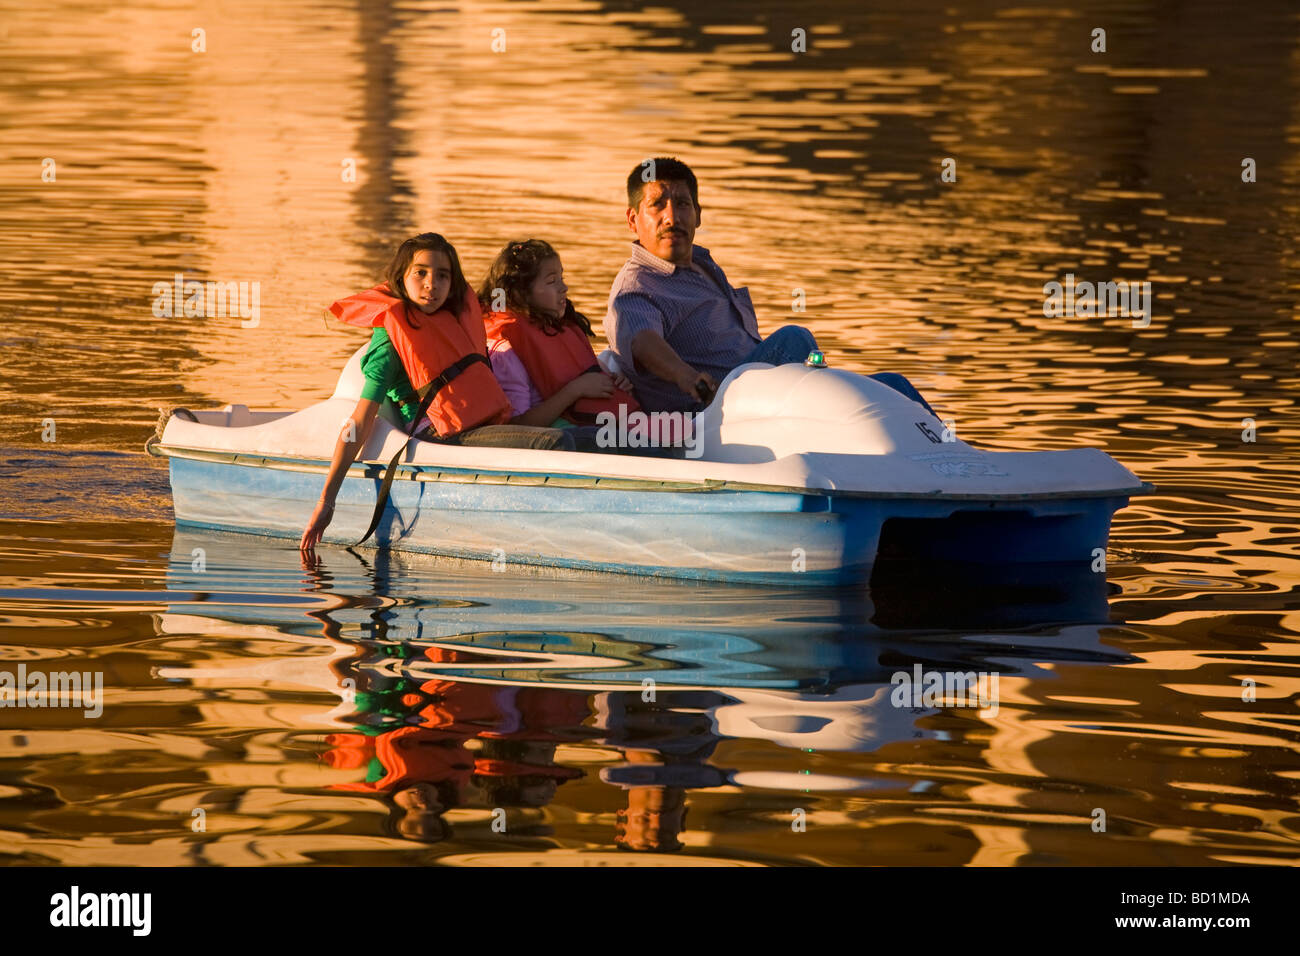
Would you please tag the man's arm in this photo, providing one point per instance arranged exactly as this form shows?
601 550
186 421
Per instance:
652 353
639 330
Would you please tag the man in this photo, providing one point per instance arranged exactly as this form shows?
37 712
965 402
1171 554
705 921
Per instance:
674 321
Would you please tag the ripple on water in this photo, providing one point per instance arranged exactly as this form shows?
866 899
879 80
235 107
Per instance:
224 686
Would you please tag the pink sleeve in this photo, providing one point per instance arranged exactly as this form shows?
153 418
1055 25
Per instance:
513 377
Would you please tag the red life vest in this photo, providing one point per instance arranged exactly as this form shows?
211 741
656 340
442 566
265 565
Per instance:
553 360
443 352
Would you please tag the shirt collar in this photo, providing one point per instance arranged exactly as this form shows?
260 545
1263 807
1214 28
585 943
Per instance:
648 259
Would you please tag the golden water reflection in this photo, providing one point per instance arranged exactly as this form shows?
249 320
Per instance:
819 172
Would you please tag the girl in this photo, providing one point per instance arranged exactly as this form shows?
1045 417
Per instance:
539 347
427 353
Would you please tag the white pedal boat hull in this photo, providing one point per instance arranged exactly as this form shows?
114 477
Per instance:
805 475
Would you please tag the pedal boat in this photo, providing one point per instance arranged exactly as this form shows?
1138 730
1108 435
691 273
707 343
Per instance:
806 475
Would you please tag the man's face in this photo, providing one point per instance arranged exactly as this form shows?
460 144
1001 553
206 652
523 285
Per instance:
665 221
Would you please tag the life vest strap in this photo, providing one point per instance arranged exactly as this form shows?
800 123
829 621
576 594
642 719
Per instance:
446 376
430 392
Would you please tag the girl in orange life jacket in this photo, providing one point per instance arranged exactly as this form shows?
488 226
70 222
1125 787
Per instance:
426 324
539 344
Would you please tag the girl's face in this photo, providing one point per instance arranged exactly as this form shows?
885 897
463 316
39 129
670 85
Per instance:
428 280
548 293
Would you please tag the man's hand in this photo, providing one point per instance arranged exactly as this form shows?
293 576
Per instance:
699 385
652 353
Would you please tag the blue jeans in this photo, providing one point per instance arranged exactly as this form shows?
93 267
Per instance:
899 383
791 344
788 345
507 436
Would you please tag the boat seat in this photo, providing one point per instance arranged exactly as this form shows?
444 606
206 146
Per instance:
608 361
351 381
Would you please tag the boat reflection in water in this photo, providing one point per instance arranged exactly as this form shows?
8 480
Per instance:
459 693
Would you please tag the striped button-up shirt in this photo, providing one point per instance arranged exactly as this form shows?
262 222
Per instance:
710 325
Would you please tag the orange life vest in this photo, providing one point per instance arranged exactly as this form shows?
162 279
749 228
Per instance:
553 360
408 755
445 352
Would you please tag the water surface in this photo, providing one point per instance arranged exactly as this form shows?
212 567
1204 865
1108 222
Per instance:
269 697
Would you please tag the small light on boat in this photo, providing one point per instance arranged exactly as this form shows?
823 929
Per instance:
816 359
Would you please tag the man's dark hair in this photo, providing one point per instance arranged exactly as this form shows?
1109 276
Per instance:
664 169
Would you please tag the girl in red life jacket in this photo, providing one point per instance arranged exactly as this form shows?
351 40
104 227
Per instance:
539 344
427 331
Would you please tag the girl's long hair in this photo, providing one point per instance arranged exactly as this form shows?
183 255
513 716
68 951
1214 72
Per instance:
395 274
514 271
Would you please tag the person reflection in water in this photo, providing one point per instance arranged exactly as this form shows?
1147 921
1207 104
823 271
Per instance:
519 773
667 745
417 761
654 817
417 771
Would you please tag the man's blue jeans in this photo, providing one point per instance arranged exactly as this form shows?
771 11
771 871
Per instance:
791 344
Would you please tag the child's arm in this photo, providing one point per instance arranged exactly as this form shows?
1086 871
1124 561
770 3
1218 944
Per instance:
353 436
609 362
514 381
588 385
